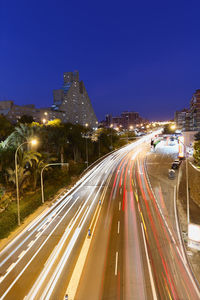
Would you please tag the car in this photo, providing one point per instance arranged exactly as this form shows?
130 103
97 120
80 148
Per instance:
178 161
175 165
171 174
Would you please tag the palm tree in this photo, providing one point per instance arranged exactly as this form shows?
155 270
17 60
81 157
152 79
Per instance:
26 161
37 167
22 133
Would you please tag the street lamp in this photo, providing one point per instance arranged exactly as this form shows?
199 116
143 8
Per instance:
42 184
181 140
32 142
173 126
111 126
131 128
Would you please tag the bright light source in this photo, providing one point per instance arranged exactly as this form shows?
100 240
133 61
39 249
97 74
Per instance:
111 125
181 146
34 142
86 124
194 232
44 121
131 127
173 127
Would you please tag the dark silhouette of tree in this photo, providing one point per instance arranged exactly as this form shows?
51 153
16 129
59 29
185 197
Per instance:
26 119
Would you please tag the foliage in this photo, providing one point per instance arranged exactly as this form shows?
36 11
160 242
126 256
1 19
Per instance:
26 119
22 133
197 136
28 203
55 122
5 127
58 142
197 152
168 130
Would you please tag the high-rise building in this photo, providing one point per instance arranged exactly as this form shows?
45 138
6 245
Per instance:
73 99
195 111
71 104
189 119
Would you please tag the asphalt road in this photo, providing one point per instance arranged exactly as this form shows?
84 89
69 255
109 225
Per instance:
132 255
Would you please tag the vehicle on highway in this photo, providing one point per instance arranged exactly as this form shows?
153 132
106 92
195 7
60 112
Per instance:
175 166
178 161
171 174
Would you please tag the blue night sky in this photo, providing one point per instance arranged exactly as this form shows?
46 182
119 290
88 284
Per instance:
132 55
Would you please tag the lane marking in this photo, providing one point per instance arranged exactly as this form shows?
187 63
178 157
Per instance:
118 227
120 205
30 244
11 267
149 266
22 254
116 263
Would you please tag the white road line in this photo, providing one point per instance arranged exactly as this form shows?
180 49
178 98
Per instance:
11 267
118 227
22 254
120 205
38 250
116 263
30 244
149 266
56 275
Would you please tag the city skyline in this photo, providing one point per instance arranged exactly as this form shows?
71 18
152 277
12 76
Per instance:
139 56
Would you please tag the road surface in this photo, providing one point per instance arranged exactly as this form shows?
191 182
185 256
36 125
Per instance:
132 252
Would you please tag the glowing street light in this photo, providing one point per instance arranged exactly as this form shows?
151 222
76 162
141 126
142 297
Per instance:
44 121
111 126
173 126
32 142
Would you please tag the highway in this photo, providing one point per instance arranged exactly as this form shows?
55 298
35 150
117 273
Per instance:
131 253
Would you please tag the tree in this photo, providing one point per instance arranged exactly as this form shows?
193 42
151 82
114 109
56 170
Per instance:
26 119
22 133
197 136
196 154
5 127
37 167
25 162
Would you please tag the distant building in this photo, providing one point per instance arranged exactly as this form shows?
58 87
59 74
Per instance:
70 104
125 120
182 119
189 119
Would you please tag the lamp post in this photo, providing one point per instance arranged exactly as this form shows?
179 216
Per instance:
111 126
131 128
181 140
86 145
42 184
33 142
